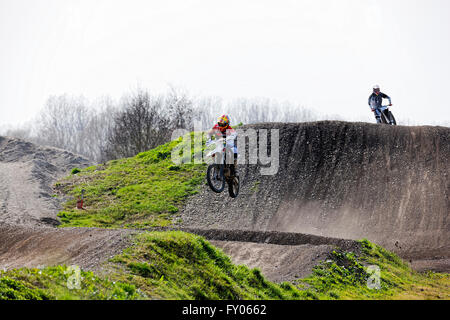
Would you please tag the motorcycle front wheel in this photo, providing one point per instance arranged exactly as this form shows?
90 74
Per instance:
215 177
383 118
394 122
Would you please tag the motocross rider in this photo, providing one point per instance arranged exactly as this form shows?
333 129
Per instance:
222 129
375 103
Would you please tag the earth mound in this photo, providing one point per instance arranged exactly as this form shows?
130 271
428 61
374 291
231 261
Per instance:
389 184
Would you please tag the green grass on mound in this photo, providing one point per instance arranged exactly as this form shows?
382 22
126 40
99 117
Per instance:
60 283
346 275
179 265
142 191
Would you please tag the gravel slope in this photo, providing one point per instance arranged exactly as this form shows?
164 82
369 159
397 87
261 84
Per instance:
28 211
345 180
27 173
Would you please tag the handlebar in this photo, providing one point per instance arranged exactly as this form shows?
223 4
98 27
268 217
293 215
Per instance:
209 142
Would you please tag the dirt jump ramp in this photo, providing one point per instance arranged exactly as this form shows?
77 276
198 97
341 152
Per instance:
345 180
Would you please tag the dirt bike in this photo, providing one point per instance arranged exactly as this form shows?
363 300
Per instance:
386 116
220 171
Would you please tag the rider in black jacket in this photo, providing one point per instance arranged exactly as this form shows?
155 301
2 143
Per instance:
375 102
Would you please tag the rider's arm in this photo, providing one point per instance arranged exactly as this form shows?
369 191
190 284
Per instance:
370 99
385 96
231 134
212 132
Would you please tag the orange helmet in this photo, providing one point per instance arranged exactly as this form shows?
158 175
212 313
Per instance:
223 121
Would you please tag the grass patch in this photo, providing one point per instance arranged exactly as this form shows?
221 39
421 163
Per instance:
75 171
142 191
255 187
345 275
51 283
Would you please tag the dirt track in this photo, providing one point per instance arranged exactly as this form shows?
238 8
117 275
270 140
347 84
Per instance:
336 181
281 256
45 246
346 180
277 262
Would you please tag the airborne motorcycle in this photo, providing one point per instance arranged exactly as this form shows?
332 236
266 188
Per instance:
221 170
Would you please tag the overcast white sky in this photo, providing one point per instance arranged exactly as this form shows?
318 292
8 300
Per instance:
323 54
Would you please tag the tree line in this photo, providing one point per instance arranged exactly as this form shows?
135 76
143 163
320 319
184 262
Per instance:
106 129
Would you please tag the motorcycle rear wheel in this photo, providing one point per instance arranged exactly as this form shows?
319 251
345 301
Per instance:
233 187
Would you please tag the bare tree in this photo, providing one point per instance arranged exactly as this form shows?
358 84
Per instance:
179 109
99 128
138 126
206 110
247 111
104 130
73 124
62 123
